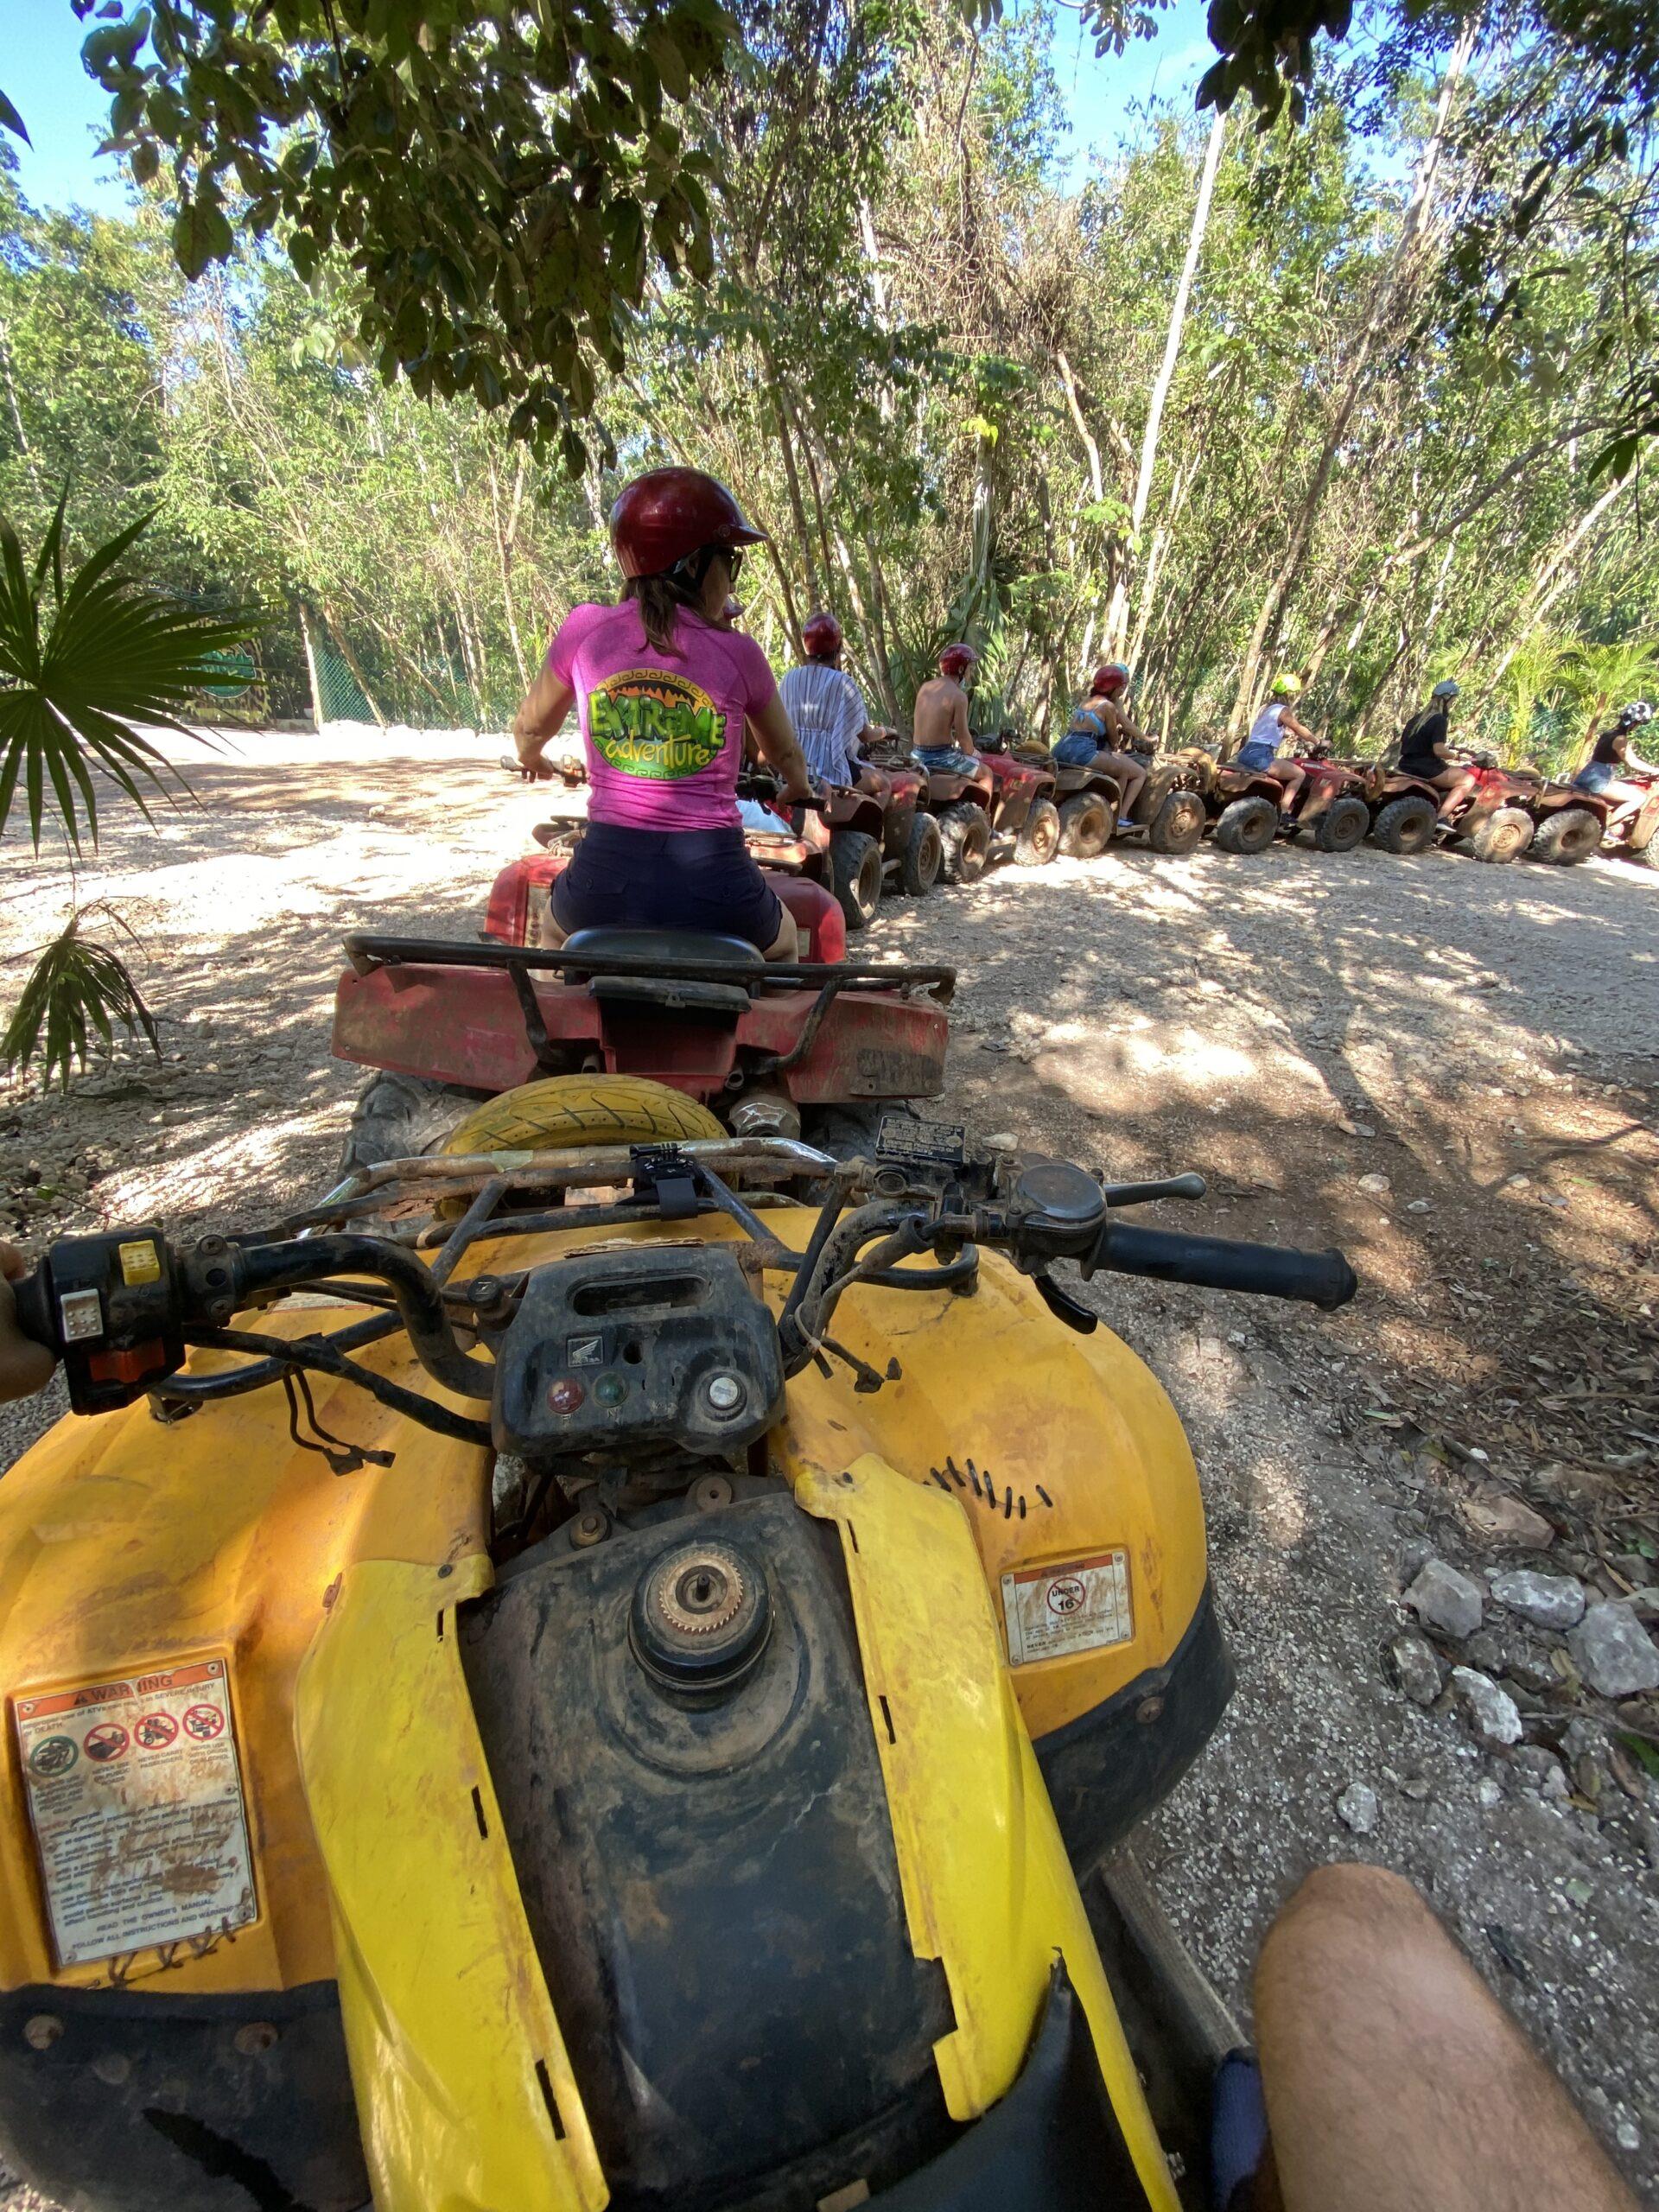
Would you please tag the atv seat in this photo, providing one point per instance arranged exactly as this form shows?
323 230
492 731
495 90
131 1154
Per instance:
665 944
668 992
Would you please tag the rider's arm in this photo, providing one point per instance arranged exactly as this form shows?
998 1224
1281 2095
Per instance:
1292 727
25 1366
545 705
770 725
960 733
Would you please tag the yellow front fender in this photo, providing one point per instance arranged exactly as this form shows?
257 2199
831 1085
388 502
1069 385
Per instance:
464 2090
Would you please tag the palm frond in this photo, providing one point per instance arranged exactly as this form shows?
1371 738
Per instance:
76 991
83 657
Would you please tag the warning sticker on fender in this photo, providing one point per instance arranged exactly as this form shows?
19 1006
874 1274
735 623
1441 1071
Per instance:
1080 1605
135 1794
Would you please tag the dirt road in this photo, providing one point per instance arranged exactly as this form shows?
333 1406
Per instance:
1447 1069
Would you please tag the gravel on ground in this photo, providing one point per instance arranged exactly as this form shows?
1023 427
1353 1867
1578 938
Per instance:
1445 1069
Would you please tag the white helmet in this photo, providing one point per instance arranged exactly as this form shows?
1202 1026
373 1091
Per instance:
1637 713
1446 689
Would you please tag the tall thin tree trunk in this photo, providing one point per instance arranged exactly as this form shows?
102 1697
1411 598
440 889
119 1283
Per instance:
1383 297
1117 614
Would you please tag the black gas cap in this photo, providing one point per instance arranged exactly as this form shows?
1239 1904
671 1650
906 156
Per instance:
1062 1193
701 1616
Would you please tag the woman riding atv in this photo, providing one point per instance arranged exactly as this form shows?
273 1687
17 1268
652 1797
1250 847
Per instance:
1425 750
1260 751
661 691
1100 733
1611 753
826 708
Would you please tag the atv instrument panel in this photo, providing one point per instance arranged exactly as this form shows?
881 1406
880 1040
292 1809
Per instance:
667 1346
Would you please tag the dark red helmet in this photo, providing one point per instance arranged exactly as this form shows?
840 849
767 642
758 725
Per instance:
821 637
1110 677
955 661
666 515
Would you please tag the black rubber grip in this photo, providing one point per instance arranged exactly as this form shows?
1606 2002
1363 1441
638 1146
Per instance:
1219 1264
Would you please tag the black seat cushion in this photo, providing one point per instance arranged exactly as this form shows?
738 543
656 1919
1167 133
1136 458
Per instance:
665 944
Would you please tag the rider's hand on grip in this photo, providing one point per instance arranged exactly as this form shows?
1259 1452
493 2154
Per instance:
26 1359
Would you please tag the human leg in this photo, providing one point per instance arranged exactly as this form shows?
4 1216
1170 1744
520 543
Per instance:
1129 775
1458 785
1290 779
1395 2081
1628 801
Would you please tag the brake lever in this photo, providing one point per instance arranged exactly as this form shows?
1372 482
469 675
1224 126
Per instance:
1061 1304
1145 1194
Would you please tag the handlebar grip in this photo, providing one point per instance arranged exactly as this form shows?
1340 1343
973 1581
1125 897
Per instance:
33 1297
1222 1263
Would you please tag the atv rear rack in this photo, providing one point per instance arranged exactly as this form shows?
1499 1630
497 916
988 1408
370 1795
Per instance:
683 983
366 951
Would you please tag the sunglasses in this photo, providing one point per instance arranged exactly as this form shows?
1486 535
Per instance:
734 561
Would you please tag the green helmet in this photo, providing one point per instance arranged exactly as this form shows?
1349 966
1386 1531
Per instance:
1286 687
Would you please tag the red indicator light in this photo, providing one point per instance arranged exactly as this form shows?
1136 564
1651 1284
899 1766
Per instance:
564 1397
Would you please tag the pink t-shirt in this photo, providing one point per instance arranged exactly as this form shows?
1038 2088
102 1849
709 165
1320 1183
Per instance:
663 732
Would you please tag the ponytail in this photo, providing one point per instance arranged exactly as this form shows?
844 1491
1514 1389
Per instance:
660 599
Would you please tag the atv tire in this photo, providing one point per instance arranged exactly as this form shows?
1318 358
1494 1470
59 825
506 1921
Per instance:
556 1112
1085 827
965 839
1646 855
1248 825
401 1117
856 875
1040 834
1501 837
1177 829
923 857
1566 839
1343 824
1404 825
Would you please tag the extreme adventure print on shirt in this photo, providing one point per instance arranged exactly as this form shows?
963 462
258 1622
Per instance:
644 721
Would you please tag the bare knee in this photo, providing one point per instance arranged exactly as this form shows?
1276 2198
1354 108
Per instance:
1334 1902
786 945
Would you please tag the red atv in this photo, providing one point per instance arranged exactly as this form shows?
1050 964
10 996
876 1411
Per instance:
1637 839
1238 806
1509 812
876 835
957 794
1334 802
771 1048
1168 811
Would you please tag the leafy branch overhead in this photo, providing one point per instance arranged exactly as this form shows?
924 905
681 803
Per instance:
82 660
498 179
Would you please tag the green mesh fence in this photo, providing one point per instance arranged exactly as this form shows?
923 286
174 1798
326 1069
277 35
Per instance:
432 693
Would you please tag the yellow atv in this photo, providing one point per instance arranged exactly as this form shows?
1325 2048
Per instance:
604 1691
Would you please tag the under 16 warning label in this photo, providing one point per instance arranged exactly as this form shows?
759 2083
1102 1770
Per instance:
1079 1605
136 1798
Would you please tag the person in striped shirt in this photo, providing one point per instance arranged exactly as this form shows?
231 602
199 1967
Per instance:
826 708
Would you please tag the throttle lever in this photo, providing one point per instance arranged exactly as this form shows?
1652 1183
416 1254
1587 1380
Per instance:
1061 1304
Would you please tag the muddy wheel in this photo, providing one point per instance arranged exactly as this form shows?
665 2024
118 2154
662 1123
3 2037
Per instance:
856 875
1342 825
1177 826
1248 825
923 855
1404 825
1502 836
965 838
401 1116
1648 856
1085 826
1568 838
1039 836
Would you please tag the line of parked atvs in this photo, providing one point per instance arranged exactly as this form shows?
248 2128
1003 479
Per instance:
916 820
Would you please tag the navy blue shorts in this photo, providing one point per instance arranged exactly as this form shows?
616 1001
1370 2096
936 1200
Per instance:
697 879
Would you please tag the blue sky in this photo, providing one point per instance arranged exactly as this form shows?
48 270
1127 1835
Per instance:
63 110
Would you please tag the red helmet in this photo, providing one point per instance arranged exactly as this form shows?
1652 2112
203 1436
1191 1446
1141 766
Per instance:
821 637
957 660
666 515
1111 677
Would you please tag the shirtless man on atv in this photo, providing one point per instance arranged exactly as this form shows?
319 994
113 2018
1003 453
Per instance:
1101 733
939 720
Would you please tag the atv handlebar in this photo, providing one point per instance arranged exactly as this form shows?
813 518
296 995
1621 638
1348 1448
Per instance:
1223 1263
